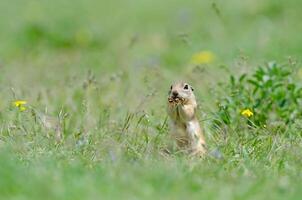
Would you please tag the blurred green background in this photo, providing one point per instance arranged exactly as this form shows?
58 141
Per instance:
169 30
108 66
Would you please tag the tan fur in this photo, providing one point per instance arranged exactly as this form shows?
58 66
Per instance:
184 125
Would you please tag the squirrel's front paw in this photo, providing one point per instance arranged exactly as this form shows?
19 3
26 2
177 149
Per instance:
170 100
176 101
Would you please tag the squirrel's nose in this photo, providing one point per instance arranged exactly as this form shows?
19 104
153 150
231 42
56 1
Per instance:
175 93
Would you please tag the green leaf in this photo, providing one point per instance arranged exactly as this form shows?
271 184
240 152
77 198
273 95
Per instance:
242 77
254 83
232 79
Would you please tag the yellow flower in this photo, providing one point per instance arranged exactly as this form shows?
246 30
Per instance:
202 57
20 104
247 113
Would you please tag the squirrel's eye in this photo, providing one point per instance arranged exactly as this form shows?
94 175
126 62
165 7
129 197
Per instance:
171 87
186 87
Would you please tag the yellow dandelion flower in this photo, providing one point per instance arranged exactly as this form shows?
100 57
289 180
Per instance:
20 104
202 57
247 113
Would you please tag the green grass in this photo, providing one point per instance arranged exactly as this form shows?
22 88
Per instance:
104 69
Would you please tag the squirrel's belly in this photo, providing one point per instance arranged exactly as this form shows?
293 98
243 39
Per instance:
180 134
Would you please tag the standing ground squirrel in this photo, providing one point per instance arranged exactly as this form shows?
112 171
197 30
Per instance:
184 126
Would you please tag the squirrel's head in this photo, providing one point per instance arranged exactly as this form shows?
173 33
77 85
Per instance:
181 90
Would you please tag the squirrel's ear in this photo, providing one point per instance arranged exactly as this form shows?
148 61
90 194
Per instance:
192 88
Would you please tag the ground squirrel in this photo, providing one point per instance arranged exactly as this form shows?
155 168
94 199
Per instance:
184 126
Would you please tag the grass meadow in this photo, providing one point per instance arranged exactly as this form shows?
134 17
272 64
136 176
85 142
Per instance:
95 76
